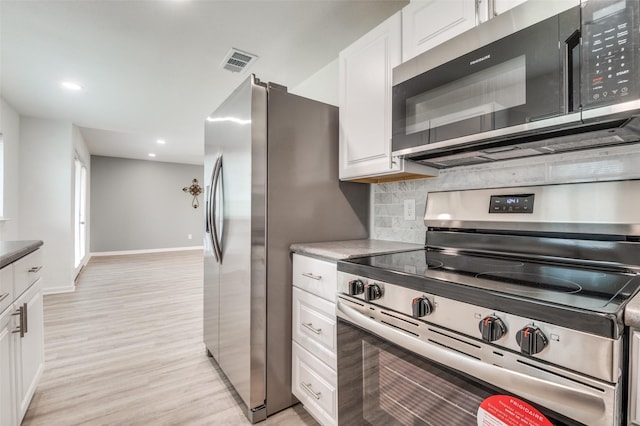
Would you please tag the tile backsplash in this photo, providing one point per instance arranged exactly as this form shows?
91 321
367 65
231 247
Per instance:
615 163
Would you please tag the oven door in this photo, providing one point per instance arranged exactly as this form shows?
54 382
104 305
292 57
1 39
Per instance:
508 86
383 381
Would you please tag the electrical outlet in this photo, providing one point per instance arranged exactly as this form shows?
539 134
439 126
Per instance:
409 209
190 236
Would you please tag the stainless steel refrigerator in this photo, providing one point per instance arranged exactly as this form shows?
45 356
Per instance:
271 167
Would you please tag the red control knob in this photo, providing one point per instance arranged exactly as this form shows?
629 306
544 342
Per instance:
356 287
421 307
531 340
372 292
492 328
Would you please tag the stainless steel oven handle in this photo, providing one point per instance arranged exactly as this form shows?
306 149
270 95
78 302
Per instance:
586 405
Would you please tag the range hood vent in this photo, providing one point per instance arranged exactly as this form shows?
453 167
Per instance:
595 135
237 60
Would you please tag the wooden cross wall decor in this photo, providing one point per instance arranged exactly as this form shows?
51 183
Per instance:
194 190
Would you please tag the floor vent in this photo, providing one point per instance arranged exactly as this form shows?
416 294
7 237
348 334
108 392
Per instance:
237 60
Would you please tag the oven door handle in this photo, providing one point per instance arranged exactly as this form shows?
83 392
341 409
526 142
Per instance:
587 405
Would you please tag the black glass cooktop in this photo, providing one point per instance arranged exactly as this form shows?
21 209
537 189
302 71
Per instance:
601 290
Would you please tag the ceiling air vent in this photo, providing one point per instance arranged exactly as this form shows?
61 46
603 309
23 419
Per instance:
237 60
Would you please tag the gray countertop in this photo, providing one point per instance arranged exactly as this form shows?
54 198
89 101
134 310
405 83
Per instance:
336 250
10 251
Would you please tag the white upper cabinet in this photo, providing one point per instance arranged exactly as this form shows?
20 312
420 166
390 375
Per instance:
365 107
501 6
427 23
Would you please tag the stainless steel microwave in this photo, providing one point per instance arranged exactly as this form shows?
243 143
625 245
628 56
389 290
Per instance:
545 77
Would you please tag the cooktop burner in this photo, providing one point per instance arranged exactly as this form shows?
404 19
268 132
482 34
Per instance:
562 284
533 281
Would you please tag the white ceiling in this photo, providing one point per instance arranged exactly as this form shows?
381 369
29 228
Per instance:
152 69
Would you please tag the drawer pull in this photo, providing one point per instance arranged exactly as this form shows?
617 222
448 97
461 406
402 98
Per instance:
3 296
35 269
313 277
307 387
309 326
22 329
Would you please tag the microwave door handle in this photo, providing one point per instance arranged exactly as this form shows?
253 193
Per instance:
568 69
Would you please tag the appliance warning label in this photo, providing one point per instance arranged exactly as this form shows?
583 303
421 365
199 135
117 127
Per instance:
505 410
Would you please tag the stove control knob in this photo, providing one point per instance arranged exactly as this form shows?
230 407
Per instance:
356 287
372 292
421 307
531 340
492 328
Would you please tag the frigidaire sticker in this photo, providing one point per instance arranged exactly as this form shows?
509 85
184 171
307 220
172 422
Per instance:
505 410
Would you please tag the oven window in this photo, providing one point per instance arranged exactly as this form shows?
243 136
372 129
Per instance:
395 385
382 384
493 89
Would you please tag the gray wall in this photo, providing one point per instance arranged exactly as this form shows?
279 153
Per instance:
140 205
595 165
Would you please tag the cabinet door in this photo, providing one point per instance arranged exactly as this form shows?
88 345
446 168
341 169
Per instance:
6 287
30 348
634 378
365 101
315 385
427 23
7 370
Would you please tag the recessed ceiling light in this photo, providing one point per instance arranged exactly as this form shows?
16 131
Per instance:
151 154
71 85
161 141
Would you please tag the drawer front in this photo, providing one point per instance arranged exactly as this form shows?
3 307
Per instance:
6 287
316 276
27 270
314 325
315 385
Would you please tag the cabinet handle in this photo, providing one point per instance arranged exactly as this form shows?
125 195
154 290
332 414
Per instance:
307 387
3 296
313 277
35 269
20 328
310 327
25 317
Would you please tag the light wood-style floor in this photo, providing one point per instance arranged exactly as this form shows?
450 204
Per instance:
126 349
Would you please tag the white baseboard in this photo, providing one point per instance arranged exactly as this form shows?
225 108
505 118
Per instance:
118 253
58 290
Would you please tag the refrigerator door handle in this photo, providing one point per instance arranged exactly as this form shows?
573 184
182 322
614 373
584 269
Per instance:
213 216
210 211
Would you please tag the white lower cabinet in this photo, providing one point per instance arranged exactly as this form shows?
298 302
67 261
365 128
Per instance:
314 378
7 370
315 385
29 346
634 379
21 338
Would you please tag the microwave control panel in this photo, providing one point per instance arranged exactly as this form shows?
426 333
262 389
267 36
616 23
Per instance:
610 46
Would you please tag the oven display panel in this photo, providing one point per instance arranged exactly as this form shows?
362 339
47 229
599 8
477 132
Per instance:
520 203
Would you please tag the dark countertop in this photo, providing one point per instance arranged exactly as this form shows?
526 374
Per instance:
10 251
337 250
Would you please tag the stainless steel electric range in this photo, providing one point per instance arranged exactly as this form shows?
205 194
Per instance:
512 314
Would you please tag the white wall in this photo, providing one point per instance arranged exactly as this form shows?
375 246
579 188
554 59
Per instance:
46 199
322 86
10 129
139 205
